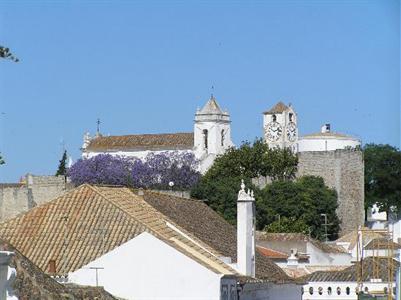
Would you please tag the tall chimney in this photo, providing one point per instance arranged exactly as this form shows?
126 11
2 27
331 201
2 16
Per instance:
246 232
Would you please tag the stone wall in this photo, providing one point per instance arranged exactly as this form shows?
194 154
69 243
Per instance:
16 198
342 170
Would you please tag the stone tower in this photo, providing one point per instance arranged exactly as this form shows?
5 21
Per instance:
280 126
212 133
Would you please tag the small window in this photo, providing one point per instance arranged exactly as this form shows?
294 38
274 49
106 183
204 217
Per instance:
274 118
329 291
205 137
320 290
302 290
347 290
338 291
385 290
222 137
290 117
311 290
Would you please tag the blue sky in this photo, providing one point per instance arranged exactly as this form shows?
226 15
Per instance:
144 67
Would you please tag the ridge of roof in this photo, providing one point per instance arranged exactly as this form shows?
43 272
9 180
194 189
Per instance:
350 273
325 247
278 108
155 141
208 226
86 211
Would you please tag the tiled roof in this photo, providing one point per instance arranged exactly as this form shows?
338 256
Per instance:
369 265
367 236
277 109
164 141
382 243
270 253
90 221
300 237
33 284
209 227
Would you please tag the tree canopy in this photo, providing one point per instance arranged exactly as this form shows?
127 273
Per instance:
299 203
155 171
62 167
2 162
382 177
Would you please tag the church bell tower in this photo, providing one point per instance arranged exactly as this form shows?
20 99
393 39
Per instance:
212 132
280 127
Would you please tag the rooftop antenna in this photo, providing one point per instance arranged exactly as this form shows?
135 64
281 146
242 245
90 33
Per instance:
212 90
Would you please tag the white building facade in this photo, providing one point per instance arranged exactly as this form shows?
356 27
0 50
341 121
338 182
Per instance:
210 138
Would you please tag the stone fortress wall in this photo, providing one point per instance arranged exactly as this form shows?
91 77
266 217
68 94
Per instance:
342 170
16 198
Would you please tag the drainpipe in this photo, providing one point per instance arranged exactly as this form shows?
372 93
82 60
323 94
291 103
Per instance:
398 278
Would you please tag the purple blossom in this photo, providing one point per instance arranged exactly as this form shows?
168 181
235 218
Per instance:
155 171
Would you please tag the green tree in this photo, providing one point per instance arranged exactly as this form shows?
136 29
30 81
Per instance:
382 177
285 224
221 183
254 160
2 162
303 202
62 167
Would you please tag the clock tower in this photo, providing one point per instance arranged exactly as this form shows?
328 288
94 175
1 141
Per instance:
280 126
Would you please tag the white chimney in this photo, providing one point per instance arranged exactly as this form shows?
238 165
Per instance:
292 260
246 232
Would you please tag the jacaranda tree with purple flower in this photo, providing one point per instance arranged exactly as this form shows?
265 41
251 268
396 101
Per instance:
155 171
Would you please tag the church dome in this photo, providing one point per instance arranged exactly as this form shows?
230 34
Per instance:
326 140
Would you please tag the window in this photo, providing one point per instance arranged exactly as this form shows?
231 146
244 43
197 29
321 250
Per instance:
205 137
320 290
311 290
338 291
302 290
290 117
222 137
274 118
385 290
347 290
329 291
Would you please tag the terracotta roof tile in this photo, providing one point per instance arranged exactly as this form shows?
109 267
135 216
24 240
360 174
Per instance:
165 141
277 109
206 225
89 221
369 265
270 253
300 237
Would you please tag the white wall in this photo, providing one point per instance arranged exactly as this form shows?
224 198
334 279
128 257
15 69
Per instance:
318 257
343 288
270 291
325 144
147 268
133 153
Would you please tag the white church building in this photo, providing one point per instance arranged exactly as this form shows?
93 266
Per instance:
211 137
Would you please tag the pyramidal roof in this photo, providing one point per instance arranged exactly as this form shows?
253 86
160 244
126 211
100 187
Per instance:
277 109
211 107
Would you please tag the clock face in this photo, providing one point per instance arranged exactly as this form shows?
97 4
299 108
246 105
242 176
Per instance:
273 131
292 132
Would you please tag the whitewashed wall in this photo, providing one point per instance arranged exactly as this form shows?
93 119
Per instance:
343 290
270 291
325 144
318 257
147 268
